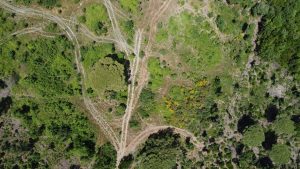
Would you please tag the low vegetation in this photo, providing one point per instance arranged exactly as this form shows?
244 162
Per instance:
131 6
96 19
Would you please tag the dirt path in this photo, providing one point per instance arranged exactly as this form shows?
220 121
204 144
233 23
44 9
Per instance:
143 136
142 79
131 98
115 26
144 74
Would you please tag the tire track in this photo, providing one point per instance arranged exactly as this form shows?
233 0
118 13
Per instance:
143 136
115 26
130 101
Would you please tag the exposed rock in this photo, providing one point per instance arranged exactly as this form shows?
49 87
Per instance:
277 91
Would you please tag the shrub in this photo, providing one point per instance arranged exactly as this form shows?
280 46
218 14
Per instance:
280 154
284 126
253 136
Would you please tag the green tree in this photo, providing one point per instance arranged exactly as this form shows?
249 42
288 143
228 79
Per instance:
107 157
284 126
147 105
253 136
260 9
280 154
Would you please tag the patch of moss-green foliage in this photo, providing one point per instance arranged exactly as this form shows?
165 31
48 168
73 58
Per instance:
92 53
194 106
278 38
163 150
229 20
47 65
44 3
107 157
181 2
52 27
135 122
6 23
284 126
8 56
96 18
260 9
234 22
280 154
158 73
182 105
126 162
54 74
107 71
253 136
107 75
9 25
121 108
162 34
147 103
130 5
60 122
195 41
48 131
127 27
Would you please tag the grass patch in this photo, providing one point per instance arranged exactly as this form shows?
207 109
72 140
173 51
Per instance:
107 75
157 73
162 35
96 18
195 42
147 103
91 54
229 20
127 26
130 5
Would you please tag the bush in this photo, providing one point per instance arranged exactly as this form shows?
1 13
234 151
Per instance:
163 150
259 9
96 18
253 136
280 154
147 105
284 126
130 5
107 157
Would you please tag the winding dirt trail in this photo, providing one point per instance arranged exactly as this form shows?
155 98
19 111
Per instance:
143 136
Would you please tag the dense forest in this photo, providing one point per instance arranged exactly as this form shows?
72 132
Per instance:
279 35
